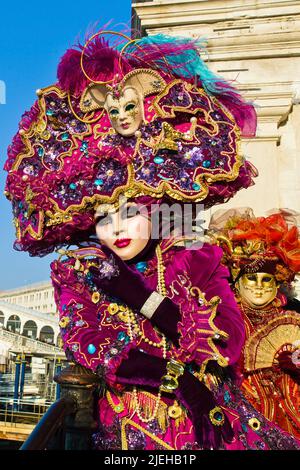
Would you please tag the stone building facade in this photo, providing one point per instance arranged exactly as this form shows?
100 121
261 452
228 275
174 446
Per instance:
38 297
28 324
255 43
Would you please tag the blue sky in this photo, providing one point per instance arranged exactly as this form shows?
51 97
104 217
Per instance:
33 36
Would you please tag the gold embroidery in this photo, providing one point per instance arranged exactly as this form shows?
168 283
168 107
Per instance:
125 422
191 89
213 353
96 297
38 128
168 138
38 235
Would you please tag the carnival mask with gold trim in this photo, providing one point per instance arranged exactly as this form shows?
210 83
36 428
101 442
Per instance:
257 289
123 101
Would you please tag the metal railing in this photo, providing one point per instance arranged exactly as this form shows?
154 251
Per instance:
25 411
36 387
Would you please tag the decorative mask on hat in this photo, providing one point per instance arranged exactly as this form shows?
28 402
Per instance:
123 102
144 118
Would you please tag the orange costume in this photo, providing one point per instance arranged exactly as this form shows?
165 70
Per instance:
260 251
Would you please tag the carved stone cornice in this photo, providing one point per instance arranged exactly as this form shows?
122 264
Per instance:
271 99
273 102
186 12
235 29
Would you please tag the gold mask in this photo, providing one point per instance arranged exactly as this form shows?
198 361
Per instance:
257 289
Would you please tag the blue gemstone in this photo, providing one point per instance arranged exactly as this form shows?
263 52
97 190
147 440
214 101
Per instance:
158 160
84 145
206 163
91 348
98 182
65 136
49 112
141 266
164 177
196 186
244 427
122 335
40 152
72 186
218 416
226 397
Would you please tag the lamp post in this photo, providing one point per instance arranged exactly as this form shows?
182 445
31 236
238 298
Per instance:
16 386
57 372
23 367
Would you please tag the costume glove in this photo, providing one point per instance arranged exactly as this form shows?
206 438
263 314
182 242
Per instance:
211 424
145 370
116 278
141 369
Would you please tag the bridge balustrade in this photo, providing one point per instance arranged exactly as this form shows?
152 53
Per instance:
33 345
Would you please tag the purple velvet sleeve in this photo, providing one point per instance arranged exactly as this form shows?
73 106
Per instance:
211 326
88 335
166 318
141 369
228 316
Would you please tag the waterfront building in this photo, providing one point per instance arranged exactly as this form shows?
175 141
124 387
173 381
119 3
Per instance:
257 45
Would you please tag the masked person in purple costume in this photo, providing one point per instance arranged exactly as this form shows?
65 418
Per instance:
148 121
160 324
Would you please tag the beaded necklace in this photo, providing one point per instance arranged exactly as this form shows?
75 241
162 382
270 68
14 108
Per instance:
133 327
256 315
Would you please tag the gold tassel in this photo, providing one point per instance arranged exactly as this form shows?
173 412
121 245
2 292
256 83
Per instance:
147 404
162 418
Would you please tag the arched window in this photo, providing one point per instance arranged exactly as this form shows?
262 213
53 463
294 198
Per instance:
30 329
1 318
47 334
14 324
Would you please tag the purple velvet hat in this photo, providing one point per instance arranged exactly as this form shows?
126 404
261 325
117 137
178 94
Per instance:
67 157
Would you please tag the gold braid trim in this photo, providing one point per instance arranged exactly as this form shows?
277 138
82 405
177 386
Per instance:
147 403
126 421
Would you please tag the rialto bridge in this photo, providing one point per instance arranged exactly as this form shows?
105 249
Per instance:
36 326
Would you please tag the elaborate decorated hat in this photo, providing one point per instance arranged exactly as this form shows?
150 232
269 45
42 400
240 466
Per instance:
258 244
137 117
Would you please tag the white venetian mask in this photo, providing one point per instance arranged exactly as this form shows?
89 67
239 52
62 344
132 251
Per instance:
126 112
